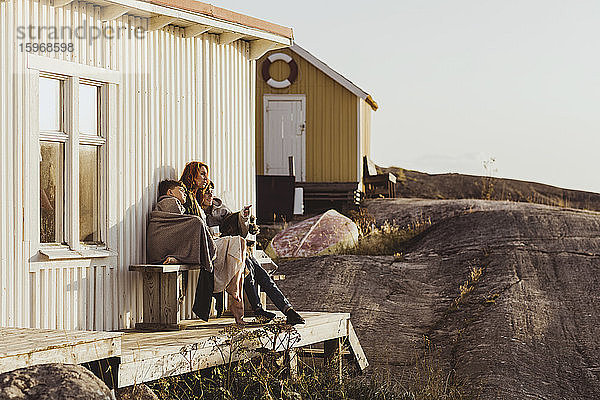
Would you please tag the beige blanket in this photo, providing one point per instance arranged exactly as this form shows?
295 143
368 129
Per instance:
229 265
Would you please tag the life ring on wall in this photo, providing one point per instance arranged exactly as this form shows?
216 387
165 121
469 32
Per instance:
286 82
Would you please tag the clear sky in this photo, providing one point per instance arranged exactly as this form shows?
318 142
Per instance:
461 81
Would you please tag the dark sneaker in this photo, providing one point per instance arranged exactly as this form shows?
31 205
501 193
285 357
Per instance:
293 318
263 316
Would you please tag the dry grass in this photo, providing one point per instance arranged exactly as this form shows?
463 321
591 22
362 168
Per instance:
387 239
474 275
430 380
265 377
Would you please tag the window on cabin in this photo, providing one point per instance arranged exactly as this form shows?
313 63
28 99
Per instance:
52 192
51 105
88 194
89 163
88 109
52 160
56 178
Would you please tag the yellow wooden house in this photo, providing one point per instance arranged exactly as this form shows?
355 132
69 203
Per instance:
307 110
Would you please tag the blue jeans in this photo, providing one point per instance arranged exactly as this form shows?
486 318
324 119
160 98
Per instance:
258 275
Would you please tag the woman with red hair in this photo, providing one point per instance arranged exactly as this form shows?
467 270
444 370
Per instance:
230 251
195 179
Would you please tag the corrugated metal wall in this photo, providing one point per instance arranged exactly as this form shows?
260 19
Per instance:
13 121
331 121
180 99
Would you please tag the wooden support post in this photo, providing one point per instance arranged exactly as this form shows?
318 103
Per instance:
169 294
263 299
151 306
162 294
107 369
332 350
228 299
291 166
291 363
356 349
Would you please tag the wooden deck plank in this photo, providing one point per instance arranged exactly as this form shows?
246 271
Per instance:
140 345
23 347
149 356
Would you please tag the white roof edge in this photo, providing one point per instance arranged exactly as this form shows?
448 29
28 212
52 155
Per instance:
202 19
330 72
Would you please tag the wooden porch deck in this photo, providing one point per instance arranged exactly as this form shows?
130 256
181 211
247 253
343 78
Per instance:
23 347
147 356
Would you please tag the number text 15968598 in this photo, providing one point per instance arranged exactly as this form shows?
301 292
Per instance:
46 47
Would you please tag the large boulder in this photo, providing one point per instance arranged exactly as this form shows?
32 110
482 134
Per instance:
52 382
321 234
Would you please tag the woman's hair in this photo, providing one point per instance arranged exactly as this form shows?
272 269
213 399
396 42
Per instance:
190 175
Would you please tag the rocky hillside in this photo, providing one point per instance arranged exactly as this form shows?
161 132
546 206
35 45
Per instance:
457 186
526 323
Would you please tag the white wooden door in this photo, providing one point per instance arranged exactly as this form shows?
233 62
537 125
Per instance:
284 135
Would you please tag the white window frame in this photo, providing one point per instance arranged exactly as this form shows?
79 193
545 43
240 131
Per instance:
72 75
61 136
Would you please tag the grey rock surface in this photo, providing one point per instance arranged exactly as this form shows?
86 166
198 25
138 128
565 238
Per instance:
52 382
459 186
528 327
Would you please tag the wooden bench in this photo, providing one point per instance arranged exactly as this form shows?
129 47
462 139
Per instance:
163 292
330 191
377 184
341 192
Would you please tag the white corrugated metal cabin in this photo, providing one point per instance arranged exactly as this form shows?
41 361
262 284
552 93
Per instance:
93 114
